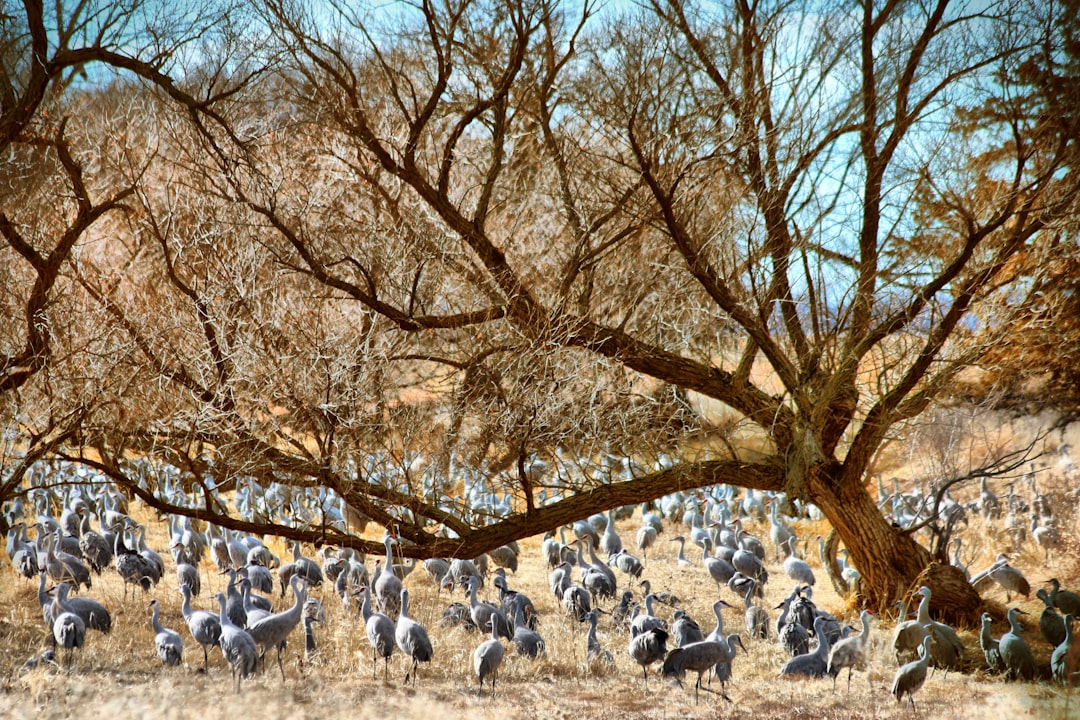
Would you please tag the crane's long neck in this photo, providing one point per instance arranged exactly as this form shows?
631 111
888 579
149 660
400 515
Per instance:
924 610
389 554
1014 623
365 606
155 621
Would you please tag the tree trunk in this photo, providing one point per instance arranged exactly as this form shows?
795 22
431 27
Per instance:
888 559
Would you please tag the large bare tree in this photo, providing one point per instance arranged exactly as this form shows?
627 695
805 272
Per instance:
400 256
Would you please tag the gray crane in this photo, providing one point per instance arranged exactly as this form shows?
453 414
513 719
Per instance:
1065 660
527 641
69 632
946 651
685 630
792 635
796 568
989 645
661 596
237 646
610 542
482 612
1066 601
387 585
647 647
812 664
720 570
234 601
204 627
1051 624
487 657
274 630
64 567
577 602
757 619
645 539
620 613
911 676
1015 653
646 620
170 648
628 564
252 612
380 634
412 638
1009 578
130 564
696 657
93 614
850 652
595 654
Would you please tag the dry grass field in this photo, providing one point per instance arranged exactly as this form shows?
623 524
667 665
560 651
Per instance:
119 676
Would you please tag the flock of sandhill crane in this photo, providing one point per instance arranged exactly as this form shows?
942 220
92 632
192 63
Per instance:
67 552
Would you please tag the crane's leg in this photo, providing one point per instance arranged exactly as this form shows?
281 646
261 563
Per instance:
280 666
848 680
374 662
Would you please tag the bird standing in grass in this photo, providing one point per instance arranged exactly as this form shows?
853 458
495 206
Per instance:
488 657
170 648
69 632
380 633
1015 653
204 627
850 652
237 646
910 677
412 638
647 647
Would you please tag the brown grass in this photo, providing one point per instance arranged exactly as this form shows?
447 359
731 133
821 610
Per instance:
118 676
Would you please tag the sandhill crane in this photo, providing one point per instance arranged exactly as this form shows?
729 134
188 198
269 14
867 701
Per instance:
170 648
645 539
628 564
252 612
1015 653
989 645
380 634
946 652
595 654
1009 578
910 677
204 627
1066 601
620 613
69 632
412 638
1065 660
508 601
813 664
130 564
237 646
796 568
648 647
64 567
234 601
757 619
681 559
274 630
792 634
696 657
646 620
94 547
482 612
488 657
665 597
850 652
188 574
721 571
610 542
93 614
527 641
388 585
1051 624
685 630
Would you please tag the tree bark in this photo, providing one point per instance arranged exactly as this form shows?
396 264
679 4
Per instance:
888 559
